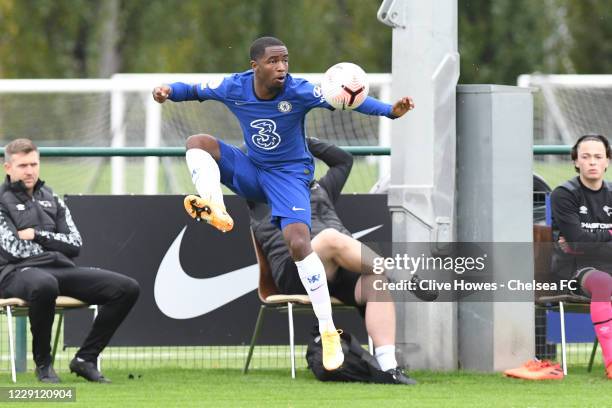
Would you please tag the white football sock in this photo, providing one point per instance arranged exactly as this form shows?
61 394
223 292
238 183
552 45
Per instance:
312 275
205 174
385 355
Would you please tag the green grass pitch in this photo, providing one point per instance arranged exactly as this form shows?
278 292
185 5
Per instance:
274 388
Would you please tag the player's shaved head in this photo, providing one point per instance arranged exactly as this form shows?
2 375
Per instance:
258 47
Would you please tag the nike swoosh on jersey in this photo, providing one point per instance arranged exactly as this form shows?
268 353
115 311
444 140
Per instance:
294 208
180 296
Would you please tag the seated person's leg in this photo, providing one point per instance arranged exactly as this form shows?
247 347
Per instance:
342 257
115 294
598 285
337 249
340 250
39 289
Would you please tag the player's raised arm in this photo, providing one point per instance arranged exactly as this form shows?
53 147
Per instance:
178 92
372 106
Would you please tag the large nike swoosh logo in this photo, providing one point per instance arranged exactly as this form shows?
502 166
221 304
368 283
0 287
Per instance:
180 296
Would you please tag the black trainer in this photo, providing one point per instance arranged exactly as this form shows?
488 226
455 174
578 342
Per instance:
47 374
87 370
400 377
427 295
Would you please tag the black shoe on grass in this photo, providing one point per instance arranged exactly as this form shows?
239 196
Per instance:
87 370
400 377
46 374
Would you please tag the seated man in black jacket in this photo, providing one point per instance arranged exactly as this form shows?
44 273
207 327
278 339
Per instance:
344 258
38 240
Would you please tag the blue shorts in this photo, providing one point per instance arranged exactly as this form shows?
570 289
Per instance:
287 190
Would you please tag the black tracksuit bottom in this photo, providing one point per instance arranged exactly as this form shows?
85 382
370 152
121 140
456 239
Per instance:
115 294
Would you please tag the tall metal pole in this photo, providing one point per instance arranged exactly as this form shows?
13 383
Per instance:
422 190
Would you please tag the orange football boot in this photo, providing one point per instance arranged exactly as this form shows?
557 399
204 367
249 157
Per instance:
536 370
213 213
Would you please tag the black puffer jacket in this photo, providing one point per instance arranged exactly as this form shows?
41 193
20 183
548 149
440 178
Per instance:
323 197
56 238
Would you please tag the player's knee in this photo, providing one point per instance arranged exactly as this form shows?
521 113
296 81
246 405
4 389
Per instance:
597 283
331 238
128 289
327 235
299 247
201 141
131 289
44 289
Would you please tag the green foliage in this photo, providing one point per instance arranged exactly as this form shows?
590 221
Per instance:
45 38
590 25
61 38
498 39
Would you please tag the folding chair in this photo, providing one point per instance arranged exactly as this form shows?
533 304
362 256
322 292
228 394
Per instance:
563 302
19 307
272 299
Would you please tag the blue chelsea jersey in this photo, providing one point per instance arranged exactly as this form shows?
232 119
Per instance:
273 129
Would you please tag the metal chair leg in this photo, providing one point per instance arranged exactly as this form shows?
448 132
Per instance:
291 339
57 333
563 346
595 344
9 319
95 316
256 331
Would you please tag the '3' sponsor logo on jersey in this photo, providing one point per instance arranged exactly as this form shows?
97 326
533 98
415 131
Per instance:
266 137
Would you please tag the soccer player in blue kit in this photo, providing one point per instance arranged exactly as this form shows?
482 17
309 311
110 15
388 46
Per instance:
277 169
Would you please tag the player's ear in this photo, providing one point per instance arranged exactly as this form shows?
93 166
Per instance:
253 64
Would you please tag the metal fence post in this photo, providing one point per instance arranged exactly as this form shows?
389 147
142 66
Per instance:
21 344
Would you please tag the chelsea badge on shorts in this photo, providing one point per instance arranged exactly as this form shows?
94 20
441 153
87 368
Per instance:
284 107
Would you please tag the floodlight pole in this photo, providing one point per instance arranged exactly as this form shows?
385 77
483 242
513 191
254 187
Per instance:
422 189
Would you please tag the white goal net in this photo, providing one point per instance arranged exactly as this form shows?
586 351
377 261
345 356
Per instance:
566 107
121 112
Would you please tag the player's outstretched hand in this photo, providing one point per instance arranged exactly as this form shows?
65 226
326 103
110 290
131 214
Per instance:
161 93
402 106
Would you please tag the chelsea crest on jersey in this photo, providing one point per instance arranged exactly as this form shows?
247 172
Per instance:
274 129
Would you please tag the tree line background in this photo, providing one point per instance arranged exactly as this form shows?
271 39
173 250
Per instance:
498 39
